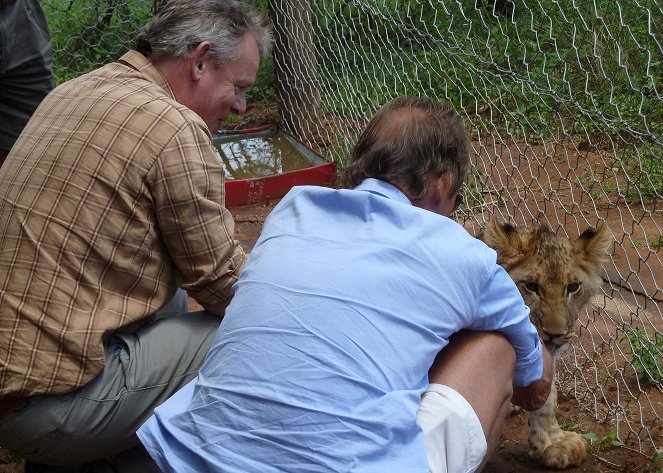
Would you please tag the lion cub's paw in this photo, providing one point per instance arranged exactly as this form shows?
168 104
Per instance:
567 450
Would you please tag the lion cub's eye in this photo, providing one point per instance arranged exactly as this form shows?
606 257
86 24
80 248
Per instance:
572 288
532 287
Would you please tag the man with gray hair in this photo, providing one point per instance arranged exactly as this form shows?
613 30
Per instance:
112 210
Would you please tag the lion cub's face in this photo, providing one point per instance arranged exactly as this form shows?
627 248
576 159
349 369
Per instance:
556 276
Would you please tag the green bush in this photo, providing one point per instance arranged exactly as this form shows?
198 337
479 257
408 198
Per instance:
647 355
87 34
558 65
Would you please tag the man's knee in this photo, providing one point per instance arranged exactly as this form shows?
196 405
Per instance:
499 357
497 345
479 350
476 364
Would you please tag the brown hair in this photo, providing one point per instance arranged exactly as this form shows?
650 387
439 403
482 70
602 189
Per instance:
407 140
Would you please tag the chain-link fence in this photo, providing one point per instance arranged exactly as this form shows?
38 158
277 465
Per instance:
564 102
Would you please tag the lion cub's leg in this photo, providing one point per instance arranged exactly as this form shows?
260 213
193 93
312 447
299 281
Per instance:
549 444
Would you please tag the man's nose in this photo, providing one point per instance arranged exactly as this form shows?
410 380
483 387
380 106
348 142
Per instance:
239 107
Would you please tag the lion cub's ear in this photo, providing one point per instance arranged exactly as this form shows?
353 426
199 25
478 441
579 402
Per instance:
504 238
592 245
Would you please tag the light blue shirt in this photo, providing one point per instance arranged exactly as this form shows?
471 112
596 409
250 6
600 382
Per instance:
323 354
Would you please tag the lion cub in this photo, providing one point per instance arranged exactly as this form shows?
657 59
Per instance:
557 278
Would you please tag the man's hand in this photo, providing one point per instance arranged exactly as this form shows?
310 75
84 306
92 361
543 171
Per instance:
532 397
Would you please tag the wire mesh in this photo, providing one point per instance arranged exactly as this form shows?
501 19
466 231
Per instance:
563 100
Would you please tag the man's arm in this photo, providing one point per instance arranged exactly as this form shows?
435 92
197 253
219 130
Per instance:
502 309
533 396
187 187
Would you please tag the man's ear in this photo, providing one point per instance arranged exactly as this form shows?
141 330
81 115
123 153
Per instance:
441 186
200 58
437 190
447 182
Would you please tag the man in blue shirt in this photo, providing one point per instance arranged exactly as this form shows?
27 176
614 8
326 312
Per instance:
368 331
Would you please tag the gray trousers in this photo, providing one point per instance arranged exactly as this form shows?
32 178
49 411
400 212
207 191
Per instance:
142 370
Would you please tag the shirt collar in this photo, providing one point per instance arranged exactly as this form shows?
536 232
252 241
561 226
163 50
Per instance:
147 69
376 186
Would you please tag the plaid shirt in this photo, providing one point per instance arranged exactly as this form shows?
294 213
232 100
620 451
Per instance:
111 199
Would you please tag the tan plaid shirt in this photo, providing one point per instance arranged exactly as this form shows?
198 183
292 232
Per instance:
111 199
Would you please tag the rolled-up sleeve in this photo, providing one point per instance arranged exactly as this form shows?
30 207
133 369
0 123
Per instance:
502 309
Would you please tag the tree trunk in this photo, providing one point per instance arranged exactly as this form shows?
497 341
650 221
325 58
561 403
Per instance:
295 66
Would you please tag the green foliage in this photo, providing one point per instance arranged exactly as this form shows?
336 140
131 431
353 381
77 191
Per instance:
87 34
640 172
599 443
572 422
264 90
656 465
569 425
647 354
557 65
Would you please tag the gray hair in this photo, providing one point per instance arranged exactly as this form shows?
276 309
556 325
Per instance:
181 25
408 140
